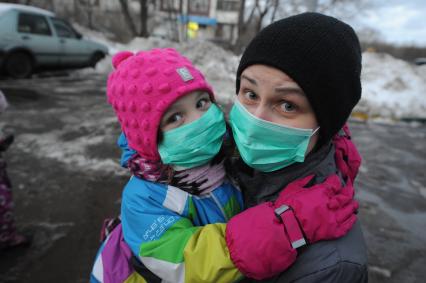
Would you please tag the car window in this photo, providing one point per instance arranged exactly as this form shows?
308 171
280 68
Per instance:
31 23
63 29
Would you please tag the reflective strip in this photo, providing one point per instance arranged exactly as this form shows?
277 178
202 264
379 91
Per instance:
298 243
98 270
280 210
294 232
169 272
175 199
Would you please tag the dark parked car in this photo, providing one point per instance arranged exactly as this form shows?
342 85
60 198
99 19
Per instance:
32 39
420 61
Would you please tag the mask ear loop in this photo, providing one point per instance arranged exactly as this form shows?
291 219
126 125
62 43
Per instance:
315 131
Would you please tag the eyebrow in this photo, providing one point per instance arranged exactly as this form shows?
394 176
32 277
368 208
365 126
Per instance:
253 81
170 110
201 93
178 104
287 90
290 90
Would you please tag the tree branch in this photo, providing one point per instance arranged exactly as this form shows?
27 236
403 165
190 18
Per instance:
127 17
144 18
274 12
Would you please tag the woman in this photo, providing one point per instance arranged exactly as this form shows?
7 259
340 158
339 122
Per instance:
297 83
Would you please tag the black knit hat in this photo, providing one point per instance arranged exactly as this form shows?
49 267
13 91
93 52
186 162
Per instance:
320 53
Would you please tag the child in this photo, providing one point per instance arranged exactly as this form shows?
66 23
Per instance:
175 206
190 134
9 238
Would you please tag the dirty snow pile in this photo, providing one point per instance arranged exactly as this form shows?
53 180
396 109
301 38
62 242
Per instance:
392 88
218 65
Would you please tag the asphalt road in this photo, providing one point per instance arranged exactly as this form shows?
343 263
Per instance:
66 180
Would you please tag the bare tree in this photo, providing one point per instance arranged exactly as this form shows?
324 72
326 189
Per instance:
143 17
241 16
252 14
341 8
88 6
344 8
262 11
258 11
274 11
128 18
172 13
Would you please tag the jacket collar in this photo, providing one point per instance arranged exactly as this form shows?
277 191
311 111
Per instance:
258 187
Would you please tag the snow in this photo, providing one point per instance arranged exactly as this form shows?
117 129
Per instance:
218 65
392 89
380 271
72 152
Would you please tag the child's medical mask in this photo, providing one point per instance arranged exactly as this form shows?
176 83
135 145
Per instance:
196 143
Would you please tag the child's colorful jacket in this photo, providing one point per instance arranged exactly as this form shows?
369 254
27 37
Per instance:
170 232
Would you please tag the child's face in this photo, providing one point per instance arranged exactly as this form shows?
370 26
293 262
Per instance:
185 110
271 95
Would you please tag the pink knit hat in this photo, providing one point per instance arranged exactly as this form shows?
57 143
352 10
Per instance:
143 86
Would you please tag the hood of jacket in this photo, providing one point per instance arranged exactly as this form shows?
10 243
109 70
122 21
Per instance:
126 151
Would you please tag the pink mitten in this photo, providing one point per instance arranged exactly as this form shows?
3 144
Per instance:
262 240
324 211
257 242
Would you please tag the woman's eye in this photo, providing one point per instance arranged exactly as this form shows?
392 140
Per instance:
250 95
202 103
174 118
288 107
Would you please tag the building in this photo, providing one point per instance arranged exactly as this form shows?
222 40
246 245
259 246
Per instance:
212 19
215 20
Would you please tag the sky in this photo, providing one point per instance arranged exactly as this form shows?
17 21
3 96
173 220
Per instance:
399 22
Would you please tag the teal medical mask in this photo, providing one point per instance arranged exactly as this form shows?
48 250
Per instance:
196 143
264 145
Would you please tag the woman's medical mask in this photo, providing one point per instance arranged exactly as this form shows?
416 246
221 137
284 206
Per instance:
196 143
267 146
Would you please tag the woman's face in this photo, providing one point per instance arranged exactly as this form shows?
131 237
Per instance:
271 95
185 110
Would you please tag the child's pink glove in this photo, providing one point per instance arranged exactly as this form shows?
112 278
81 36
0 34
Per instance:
262 240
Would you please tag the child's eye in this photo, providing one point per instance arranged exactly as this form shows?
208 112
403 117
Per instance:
288 107
174 118
203 103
